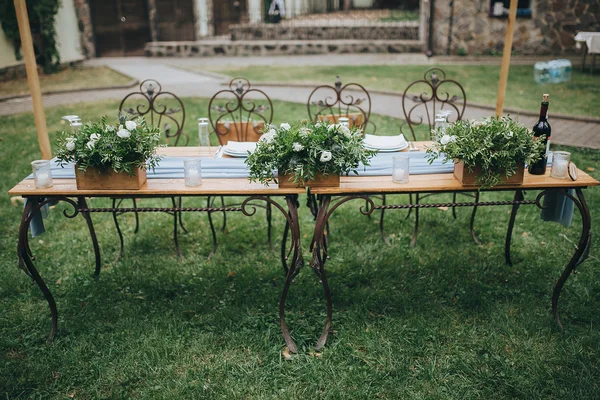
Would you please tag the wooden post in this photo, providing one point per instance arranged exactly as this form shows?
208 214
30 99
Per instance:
33 79
508 39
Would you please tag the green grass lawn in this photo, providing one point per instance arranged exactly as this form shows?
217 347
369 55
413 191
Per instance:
446 319
577 97
68 79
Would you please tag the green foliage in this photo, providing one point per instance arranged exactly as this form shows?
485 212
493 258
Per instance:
124 147
42 15
304 149
496 145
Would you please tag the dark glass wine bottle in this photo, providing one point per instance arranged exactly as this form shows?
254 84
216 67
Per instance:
542 128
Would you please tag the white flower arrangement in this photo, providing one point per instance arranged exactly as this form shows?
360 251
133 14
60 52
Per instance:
124 149
304 149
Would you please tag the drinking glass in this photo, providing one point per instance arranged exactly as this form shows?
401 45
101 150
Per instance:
203 135
560 164
192 172
42 174
400 167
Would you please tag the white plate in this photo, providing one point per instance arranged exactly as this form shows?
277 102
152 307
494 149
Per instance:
235 154
388 150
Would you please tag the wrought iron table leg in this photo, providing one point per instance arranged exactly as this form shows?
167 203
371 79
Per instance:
180 202
224 227
319 251
511 224
381 219
269 212
137 216
291 216
212 228
472 223
116 220
581 254
88 219
175 225
25 259
284 255
453 207
413 240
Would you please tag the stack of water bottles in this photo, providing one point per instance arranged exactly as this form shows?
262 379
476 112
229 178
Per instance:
554 71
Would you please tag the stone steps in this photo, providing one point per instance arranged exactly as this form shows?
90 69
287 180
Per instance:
211 48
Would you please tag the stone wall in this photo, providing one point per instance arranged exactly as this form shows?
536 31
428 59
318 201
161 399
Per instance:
86 30
375 31
210 48
550 30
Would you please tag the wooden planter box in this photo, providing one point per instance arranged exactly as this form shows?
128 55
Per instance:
468 178
239 131
355 119
320 181
94 179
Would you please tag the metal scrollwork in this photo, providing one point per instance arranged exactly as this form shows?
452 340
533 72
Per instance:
240 112
437 93
351 100
152 102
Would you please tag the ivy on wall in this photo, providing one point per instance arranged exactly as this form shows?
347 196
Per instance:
42 15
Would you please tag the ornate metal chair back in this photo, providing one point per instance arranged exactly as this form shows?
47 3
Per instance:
162 109
240 112
436 93
352 100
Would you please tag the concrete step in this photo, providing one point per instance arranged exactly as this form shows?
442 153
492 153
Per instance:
356 31
210 48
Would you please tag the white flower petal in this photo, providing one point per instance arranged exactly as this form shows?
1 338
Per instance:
285 126
326 156
123 133
130 125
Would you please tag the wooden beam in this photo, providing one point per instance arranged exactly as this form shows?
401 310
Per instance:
508 39
33 79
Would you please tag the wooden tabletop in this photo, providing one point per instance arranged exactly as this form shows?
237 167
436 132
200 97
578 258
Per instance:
445 183
233 187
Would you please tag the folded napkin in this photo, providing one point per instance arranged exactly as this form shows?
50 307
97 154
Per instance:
384 142
240 147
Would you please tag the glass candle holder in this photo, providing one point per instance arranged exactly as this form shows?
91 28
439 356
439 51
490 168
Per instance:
192 172
42 174
344 121
400 169
560 164
203 135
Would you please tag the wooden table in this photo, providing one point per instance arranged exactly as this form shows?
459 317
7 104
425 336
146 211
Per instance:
362 188
65 190
329 199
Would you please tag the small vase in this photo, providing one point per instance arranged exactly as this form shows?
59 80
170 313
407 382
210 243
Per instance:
95 179
319 181
468 178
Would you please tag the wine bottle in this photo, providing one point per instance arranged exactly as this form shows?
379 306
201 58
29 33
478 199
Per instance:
542 128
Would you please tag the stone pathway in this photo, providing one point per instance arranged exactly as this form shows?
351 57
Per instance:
187 84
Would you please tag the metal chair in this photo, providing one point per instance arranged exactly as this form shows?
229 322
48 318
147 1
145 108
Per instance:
436 93
240 113
352 100
165 110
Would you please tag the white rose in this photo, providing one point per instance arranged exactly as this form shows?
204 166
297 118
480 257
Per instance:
268 137
70 145
130 125
304 132
453 138
110 128
123 133
332 127
345 130
318 125
90 145
326 156
297 147
445 139
94 136
285 126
